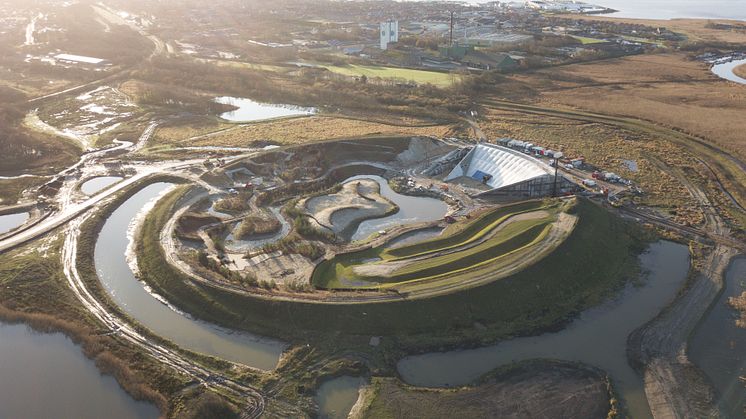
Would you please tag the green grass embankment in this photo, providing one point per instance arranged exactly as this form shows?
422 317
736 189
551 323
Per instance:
516 236
463 246
596 259
460 234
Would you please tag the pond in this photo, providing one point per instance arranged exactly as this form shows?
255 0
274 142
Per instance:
412 209
11 221
250 110
597 337
725 71
47 376
718 346
96 184
130 294
336 397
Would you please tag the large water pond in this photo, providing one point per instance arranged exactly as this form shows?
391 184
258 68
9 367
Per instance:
10 221
250 110
725 71
47 376
718 346
598 337
336 397
676 9
96 184
412 209
131 295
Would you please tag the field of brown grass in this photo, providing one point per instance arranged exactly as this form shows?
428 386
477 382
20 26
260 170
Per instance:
527 389
290 131
668 89
693 29
607 147
740 71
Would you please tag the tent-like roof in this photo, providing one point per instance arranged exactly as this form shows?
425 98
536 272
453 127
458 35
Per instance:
507 167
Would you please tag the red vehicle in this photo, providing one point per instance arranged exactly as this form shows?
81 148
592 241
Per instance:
597 175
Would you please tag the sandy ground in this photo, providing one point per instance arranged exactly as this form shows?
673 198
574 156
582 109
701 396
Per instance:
282 269
345 209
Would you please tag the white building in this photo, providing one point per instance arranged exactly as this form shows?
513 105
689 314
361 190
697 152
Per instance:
80 59
507 172
389 33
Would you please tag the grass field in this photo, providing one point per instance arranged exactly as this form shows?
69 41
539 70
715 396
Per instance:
11 189
417 76
586 41
740 71
205 132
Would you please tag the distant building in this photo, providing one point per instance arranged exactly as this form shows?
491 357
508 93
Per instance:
389 33
80 59
469 56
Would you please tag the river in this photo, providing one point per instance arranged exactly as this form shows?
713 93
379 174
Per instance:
597 337
131 295
47 376
718 346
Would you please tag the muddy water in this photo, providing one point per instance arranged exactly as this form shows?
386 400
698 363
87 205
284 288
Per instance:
412 209
598 337
130 294
337 396
726 71
96 184
249 110
718 346
10 221
47 376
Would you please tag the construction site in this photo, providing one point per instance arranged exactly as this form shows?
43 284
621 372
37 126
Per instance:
395 217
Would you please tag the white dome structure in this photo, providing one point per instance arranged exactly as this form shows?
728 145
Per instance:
504 169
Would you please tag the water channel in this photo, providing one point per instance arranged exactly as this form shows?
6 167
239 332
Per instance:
131 295
337 396
47 376
597 337
412 209
96 184
718 346
250 110
10 221
725 70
